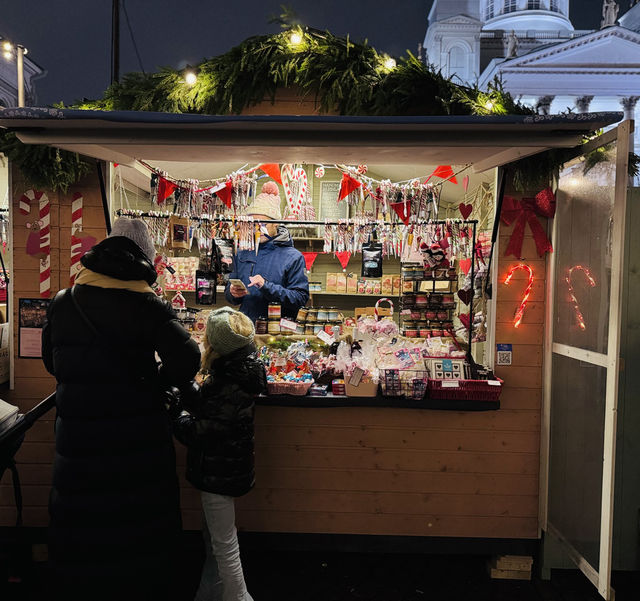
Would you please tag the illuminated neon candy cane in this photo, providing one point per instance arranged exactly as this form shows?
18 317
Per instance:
523 304
574 300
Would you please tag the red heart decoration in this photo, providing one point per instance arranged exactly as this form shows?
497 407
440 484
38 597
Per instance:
465 265
465 319
465 210
465 295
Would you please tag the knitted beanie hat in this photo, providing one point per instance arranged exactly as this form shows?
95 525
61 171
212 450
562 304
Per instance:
228 330
136 230
267 202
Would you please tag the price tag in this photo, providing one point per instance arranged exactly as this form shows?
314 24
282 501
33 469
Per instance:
494 383
325 337
280 361
450 384
287 324
356 377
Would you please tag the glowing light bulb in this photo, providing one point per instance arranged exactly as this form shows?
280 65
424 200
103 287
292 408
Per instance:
489 105
7 46
390 63
296 38
8 55
190 78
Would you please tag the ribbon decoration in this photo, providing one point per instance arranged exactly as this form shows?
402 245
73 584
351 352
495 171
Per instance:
343 257
309 259
526 211
347 185
273 171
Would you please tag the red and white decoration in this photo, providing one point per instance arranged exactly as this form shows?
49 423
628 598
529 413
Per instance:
44 228
299 175
76 241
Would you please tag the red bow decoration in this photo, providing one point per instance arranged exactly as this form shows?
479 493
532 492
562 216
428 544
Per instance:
224 193
403 210
165 189
273 171
343 257
526 211
309 259
348 185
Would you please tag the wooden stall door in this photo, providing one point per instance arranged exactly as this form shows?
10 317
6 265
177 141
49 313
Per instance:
583 354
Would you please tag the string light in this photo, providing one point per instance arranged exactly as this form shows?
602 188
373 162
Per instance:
390 63
569 279
296 38
190 78
7 46
527 293
489 105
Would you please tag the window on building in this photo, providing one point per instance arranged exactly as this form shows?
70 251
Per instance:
553 5
510 6
490 10
458 62
534 4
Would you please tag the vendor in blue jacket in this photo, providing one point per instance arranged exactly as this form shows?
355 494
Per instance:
276 274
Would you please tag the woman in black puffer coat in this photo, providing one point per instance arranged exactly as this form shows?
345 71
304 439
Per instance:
218 432
114 506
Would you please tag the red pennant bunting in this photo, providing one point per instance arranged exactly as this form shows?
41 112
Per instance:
273 171
403 210
224 194
165 189
445 172
343 257
309 259
348 185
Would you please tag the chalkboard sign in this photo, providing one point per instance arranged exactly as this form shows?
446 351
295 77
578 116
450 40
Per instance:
330 208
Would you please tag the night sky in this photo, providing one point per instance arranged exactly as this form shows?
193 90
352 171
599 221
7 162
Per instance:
71 38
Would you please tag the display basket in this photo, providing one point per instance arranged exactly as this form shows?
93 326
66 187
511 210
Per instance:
465 390
292 388
409 383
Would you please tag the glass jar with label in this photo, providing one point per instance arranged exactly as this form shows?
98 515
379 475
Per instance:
318 327
261 325
302 314
333 313
274 311
274 326
308 329
312 315
322 314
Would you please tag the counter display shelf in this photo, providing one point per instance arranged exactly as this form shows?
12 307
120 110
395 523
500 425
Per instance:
330 401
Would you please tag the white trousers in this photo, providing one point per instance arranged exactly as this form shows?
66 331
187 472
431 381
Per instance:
222 578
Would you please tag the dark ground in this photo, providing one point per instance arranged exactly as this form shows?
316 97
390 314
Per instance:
332 576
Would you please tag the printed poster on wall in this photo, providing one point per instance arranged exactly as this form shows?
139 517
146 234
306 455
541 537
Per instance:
32 314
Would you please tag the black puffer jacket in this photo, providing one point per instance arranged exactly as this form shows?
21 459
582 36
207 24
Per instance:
114 505
219 430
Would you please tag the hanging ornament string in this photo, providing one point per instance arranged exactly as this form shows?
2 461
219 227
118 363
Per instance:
576 307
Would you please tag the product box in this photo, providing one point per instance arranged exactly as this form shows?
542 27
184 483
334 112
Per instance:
362 286
397 284
332 281
369 287
387 284
407 286
352 283
341 282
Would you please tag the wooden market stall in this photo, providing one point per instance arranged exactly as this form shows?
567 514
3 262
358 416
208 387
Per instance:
355 470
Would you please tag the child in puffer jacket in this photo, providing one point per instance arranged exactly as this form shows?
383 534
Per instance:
218 432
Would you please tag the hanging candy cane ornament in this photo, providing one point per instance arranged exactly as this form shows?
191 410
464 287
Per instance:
45 235
290 174
76 242
569 279
523 304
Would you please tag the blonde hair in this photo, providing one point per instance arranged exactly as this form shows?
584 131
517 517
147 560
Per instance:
240 324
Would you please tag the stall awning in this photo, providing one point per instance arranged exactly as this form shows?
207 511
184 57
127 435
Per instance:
123 136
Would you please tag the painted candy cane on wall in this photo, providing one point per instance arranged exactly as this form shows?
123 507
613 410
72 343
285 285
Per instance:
76 242
574 300
45 235
523 304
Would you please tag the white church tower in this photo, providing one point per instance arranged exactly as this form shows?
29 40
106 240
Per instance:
465 36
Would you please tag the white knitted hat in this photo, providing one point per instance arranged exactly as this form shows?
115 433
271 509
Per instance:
267 203
136 230
220 334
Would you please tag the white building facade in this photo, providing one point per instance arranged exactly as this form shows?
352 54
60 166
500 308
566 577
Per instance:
533 48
